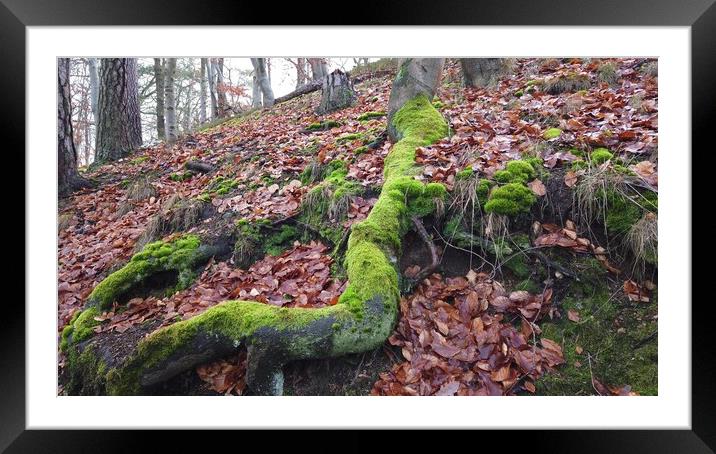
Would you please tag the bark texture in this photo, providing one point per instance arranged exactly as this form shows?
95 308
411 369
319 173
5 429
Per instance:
416 76
159 83
119 128
170 98
68 179
319 68
94 85
221 103
202 95
263 81
482 72
337 92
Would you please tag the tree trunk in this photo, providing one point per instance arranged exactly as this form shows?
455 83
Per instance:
171 68
361 320
337 92
416 76
159 81
301 77
211 68
94 86
482 72
263 81
319 68
255 92
119 127
202 96
222 105
68 179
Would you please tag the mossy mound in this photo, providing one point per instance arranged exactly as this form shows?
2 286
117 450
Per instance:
613 341
181 256
551 133
323 125
365 116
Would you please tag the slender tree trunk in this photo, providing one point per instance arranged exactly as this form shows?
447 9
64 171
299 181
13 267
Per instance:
202 96
94 86
301 77
483 72
212 88
68 179
319 68
119 127
416 76
263 81
221 88
170 99
255 91
159 80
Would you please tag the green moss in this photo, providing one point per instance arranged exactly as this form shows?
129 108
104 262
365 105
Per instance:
348 138
600 155
281 240
552 133
483 190
180 255
464 174
519 93
221 185
370 115
323 125
622 212
360 150
85 371
438 104
139 160
610 335
80 328
510 200
516 172
623 170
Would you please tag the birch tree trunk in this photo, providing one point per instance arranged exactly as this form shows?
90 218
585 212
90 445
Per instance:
170 107
416 76
263 81
211 69
94 86
159 80
222 105
319 68
255 91
483 72
119 125
301 77
68 179
202 95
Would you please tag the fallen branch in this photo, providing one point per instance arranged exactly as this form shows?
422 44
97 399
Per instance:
199 166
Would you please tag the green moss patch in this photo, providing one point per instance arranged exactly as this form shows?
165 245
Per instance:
323 125
365 116
180 255
613 341
551 133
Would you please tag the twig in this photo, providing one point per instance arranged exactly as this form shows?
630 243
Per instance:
434 259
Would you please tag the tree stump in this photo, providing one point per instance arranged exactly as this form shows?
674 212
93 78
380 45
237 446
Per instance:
483 72
337 92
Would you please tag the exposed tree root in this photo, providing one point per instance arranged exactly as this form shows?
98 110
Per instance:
361 320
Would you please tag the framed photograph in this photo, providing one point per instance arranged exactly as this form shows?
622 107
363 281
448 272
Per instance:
443 220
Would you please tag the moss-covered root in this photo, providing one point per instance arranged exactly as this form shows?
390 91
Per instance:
361 320
181 256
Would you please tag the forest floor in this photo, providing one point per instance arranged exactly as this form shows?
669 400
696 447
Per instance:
559 300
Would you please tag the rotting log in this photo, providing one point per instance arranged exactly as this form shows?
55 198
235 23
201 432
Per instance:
361 320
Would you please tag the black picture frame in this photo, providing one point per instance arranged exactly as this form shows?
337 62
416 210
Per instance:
700 15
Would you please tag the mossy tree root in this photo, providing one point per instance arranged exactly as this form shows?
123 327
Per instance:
361 320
